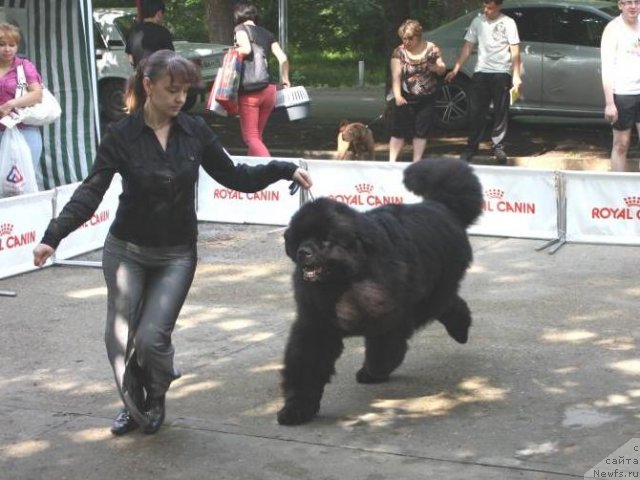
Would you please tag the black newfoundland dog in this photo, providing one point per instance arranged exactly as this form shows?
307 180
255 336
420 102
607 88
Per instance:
381 274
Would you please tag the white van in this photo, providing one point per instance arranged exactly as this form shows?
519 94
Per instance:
111 27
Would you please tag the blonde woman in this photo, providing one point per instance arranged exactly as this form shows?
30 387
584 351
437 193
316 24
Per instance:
9 61
415 67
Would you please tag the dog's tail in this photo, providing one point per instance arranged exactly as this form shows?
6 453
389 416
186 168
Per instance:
448 181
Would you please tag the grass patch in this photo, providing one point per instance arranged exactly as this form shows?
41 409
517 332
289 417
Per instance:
335 69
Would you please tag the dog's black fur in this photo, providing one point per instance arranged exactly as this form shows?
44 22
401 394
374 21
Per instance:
380 274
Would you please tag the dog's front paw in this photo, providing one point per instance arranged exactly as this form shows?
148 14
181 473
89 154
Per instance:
297 414
363 376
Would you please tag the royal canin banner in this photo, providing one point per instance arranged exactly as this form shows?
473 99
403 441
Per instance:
23 220
603 208
518 202
361 185
271 206
92 233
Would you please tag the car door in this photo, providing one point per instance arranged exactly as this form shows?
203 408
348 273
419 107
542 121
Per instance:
531 30
571 78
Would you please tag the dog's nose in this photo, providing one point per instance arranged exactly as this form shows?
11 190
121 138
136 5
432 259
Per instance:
304 253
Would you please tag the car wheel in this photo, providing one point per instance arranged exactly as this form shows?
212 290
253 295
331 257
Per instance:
112 99
192 98
452 104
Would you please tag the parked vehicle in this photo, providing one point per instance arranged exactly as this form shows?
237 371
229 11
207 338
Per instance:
111 27
560 53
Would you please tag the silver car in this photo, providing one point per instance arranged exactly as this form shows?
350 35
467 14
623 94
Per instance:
560 52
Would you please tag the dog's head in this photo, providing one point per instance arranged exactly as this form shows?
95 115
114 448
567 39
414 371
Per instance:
353 132
326 242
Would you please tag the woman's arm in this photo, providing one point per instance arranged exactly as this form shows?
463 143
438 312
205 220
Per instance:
396 70
283 62
87 197
245 178
33 96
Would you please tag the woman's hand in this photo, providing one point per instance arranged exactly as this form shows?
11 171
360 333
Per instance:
400 101
303 177
5 109
41 253
450 76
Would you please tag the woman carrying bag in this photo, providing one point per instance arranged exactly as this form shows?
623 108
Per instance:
257 95
9 61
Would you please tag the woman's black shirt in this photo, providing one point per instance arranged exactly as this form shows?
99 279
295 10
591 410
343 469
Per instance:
157 204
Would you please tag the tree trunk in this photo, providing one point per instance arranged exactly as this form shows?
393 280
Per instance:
220 21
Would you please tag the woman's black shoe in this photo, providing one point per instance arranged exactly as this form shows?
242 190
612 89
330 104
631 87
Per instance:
123 423
155 414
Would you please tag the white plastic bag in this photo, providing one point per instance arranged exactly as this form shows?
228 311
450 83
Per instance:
17 175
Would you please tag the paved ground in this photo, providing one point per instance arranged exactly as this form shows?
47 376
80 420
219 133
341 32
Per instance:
548 385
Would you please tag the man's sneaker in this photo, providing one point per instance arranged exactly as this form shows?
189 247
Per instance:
500 155
468 154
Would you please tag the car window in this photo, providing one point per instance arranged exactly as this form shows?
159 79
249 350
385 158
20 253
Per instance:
575 27
98 38
530 21
124 24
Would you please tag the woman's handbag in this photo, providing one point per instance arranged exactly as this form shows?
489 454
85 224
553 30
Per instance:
225 88
43 113
255 68
17 175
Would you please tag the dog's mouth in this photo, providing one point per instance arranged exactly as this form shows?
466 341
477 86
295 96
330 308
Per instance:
312 273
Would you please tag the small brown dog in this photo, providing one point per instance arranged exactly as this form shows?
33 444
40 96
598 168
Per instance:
355 142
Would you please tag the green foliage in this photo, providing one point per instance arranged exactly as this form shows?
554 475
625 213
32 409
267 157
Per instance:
187 20
334 69
326 38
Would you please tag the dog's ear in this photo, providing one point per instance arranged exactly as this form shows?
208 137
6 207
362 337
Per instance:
343 125
289 246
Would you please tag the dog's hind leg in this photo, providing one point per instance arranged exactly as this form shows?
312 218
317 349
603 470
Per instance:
457 320
383 355
309 362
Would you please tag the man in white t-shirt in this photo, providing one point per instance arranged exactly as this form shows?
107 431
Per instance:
620 56
496 36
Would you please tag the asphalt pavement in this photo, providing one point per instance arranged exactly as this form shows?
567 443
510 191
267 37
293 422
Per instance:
546 388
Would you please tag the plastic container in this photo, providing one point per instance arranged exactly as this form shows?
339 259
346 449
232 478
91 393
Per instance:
294 101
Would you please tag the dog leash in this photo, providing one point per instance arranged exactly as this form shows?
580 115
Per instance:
379 117
295 186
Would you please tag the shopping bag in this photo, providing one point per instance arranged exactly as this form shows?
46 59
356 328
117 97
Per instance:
17 175
255 67
212 104
228 80
43 113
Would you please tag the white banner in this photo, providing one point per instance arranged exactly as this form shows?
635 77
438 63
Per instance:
518 202
361 185
23 220
271 206
92 233
603 207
